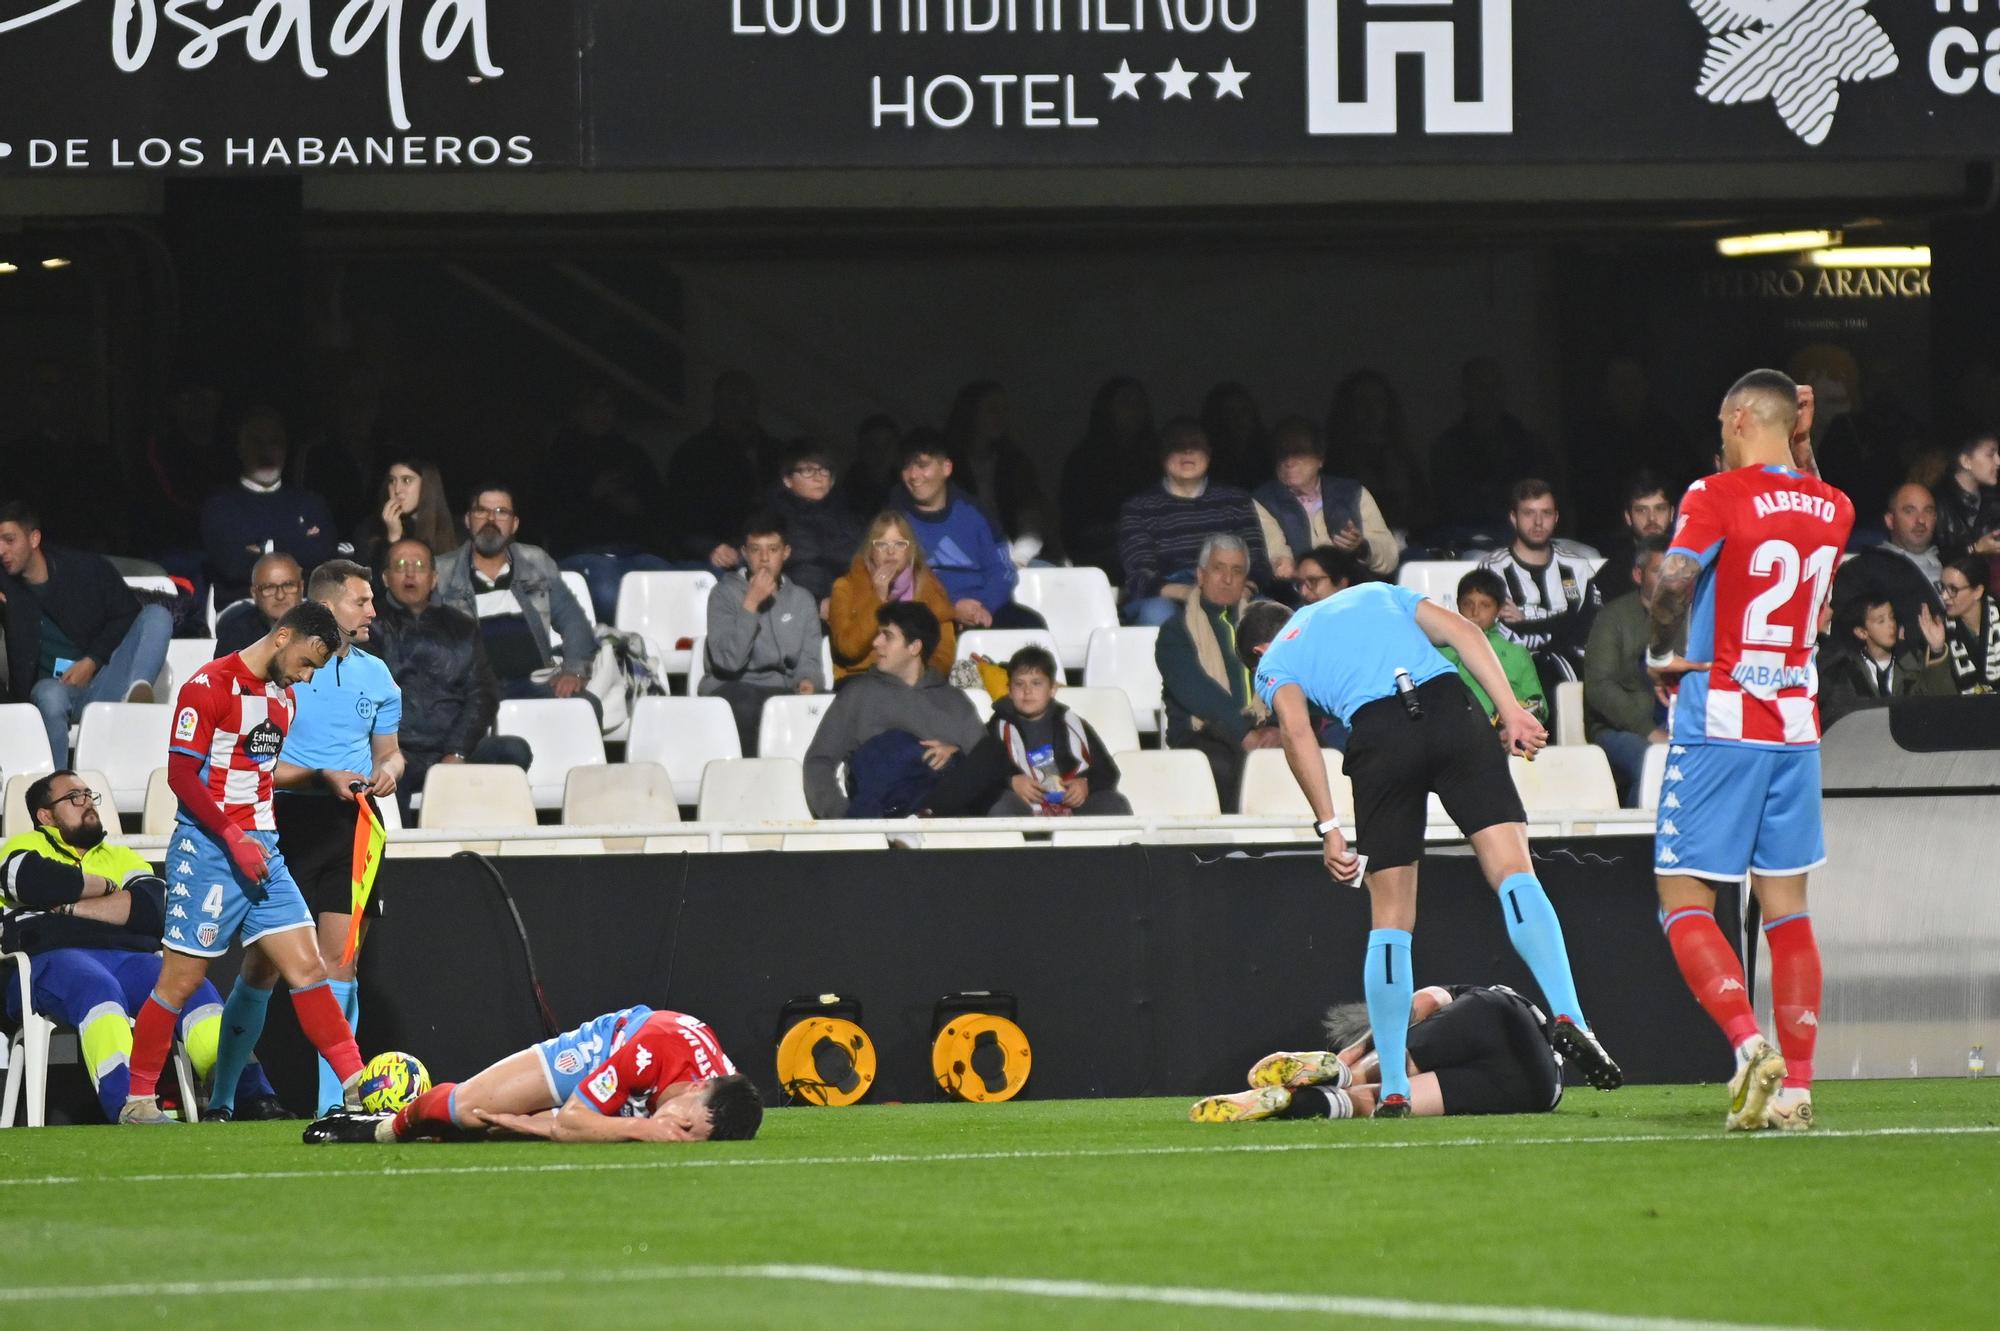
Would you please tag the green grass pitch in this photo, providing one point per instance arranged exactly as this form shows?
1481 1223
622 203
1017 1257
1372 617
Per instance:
1627 1212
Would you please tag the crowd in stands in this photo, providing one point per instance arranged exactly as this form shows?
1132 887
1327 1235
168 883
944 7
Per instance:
878 565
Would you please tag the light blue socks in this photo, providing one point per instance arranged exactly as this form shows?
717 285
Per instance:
1386 981
1538 936
242 1027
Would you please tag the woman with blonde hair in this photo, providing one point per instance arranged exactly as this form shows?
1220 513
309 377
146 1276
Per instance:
889 566
411 505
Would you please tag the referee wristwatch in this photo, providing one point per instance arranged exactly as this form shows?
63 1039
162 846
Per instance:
1320 830
1658 661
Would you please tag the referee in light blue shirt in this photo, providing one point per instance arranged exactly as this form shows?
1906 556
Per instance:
345 725
1369 655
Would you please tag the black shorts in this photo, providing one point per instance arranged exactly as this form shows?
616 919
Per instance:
1396 762
1489 1054
316 833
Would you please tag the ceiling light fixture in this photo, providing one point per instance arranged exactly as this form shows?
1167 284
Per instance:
55 263
6 268
1775 242
1873 256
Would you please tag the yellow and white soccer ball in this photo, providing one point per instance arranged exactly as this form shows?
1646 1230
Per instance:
391 1081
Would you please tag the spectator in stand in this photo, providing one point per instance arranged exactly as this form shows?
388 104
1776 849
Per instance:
1871 666
604 498
56 465
277 583
1480 593
1973 631
410 502
516 593
1550 599
1301 507
1621 712
339 462
994 469
1323 571
187 459
1968 501
1036 758
437 656
822 531
717 475
1366 438
1484 451
1905 570
962 545
1236 434
1163 529
878 452
1649 516
888 567
1118 456
763 630
260 514
896 727
75 633
1211 704
1627 433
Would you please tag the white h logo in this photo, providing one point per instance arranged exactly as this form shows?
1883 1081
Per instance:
1432 39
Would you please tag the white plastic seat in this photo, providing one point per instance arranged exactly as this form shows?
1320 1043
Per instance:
1577 777
1271 791
1569 713
697 665
125 741
1076 602
161 806
477 795
753 790
185 658
1122 658
153 582
835 841
1109 712
1168 783
579 587
671 609
1436 579
683 735
28 1055
997 645
1652 775
786 727
982 703
24 741
15 818
563 734
631 793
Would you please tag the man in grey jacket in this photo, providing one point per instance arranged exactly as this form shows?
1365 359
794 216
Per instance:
763 630
900 694
516 593
1621 714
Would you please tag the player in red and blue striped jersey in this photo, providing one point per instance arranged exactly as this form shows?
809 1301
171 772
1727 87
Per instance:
1750 568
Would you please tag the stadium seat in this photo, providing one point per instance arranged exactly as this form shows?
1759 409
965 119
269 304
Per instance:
997 645
1168 783
671 609
185 658
835 841
28 1055
161 807
126 741
15 820
1652 775
1577 777
982 703
753 790
477 795
563 734
1569 713
788 722
1436 579
632 793
697 665
1270 791
1122 658
683 735
158 583
580 589
1076 602
24 741
1109 712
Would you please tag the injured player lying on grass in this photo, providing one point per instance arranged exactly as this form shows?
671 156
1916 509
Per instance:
1473 1049
631 1075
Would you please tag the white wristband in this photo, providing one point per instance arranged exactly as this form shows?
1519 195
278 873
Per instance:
1321 829
1658 662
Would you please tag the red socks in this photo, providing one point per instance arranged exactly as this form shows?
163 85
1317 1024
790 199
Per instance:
1795 991
326 1026
152 1038
1713 973
429 1111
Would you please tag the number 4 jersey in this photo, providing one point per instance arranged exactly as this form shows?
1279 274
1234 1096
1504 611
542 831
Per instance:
1768 540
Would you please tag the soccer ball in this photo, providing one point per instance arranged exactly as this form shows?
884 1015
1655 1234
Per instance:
391 1081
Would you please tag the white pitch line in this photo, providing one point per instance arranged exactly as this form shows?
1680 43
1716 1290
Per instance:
1179 1296
690 1161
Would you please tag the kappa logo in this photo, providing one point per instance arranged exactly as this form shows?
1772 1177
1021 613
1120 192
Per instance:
174 932
177 914
184 846
1797 53
1671 802
1729 983
1678 751
1674 773
1809 1018
183 868
1438 33
201 679
180 890
1668 857
642 1059
1668 829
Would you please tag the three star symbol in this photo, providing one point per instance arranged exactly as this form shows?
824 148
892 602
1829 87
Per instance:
1177 81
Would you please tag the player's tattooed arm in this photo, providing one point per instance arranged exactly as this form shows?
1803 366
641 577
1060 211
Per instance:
1671 599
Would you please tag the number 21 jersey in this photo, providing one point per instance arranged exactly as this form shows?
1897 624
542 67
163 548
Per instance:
1768 540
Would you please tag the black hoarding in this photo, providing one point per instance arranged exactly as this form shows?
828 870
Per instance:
289 85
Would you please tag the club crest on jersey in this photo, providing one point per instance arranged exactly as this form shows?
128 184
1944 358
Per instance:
263 741
204 934
605 1084
569 1062
185 724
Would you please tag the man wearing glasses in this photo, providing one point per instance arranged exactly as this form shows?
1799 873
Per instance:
276 585
516 593
823 530
89 914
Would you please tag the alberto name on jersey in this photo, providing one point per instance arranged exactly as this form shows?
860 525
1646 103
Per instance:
1768 540
667 1048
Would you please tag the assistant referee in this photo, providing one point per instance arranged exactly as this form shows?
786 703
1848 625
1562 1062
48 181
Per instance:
345 724
1369 655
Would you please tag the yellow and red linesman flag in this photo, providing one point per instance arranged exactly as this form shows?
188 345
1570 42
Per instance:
369 839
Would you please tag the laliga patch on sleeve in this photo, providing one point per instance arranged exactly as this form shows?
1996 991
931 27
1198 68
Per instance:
184 725
605 1084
